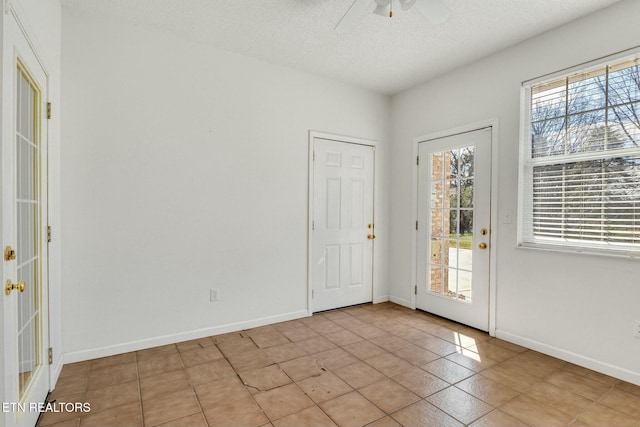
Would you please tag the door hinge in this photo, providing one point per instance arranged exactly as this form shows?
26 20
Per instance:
417 160
416 225
314 156
313 293
50 356
48 233
313 225
415 290
48 110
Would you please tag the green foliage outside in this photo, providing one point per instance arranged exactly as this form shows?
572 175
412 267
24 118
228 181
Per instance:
465 241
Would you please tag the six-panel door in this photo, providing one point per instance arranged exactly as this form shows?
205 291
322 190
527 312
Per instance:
343 229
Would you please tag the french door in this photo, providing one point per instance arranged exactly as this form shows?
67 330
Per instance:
454 201
341 261
24 228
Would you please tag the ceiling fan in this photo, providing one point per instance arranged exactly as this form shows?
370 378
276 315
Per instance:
433 10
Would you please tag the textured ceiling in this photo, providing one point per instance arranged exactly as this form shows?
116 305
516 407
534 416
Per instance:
387 55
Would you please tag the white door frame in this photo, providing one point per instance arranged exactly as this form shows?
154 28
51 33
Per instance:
493 123
349 140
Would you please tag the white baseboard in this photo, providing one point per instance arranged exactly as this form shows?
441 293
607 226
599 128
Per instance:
383 298
94 353
400 301
578 359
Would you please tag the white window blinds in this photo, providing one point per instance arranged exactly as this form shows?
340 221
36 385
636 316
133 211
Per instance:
580 168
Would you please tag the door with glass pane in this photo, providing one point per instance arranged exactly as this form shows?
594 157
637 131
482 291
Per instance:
24 189
454 184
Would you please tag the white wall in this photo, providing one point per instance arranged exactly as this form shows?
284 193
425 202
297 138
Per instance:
42 20
185 168
578 307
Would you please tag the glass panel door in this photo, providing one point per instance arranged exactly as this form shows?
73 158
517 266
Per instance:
24 225
454 201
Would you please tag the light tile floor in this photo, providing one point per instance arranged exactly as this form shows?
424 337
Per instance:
378 365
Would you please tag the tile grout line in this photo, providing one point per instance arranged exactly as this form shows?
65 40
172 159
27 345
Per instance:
193 389
596 402
462 347
240 378
258 390
135 355
315 404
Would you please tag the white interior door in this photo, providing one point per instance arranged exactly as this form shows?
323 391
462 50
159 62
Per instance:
342 229
24 207
454 201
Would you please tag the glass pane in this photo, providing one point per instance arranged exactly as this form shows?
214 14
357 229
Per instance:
436 280
465 240
452 163
466 224
451 282
466 193
586 132
587 91
464 285
436 223
466 158
547 199
624 126
624 85
451 221
437 194
465 255
452 191
436 251
547 137
451 253
437 164
548 101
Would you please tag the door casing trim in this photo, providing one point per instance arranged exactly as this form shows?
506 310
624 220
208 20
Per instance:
494 124
347 140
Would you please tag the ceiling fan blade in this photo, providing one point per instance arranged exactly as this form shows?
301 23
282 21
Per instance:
433 10
358 10
407 4
382 7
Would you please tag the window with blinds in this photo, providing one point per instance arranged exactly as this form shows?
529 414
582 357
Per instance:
580 163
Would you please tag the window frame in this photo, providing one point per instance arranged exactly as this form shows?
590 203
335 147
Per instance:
526 161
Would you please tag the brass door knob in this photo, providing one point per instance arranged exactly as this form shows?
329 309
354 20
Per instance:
11 286
371 236
9 253
482 245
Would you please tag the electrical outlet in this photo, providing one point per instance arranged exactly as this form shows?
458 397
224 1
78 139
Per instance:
214 295
636 329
